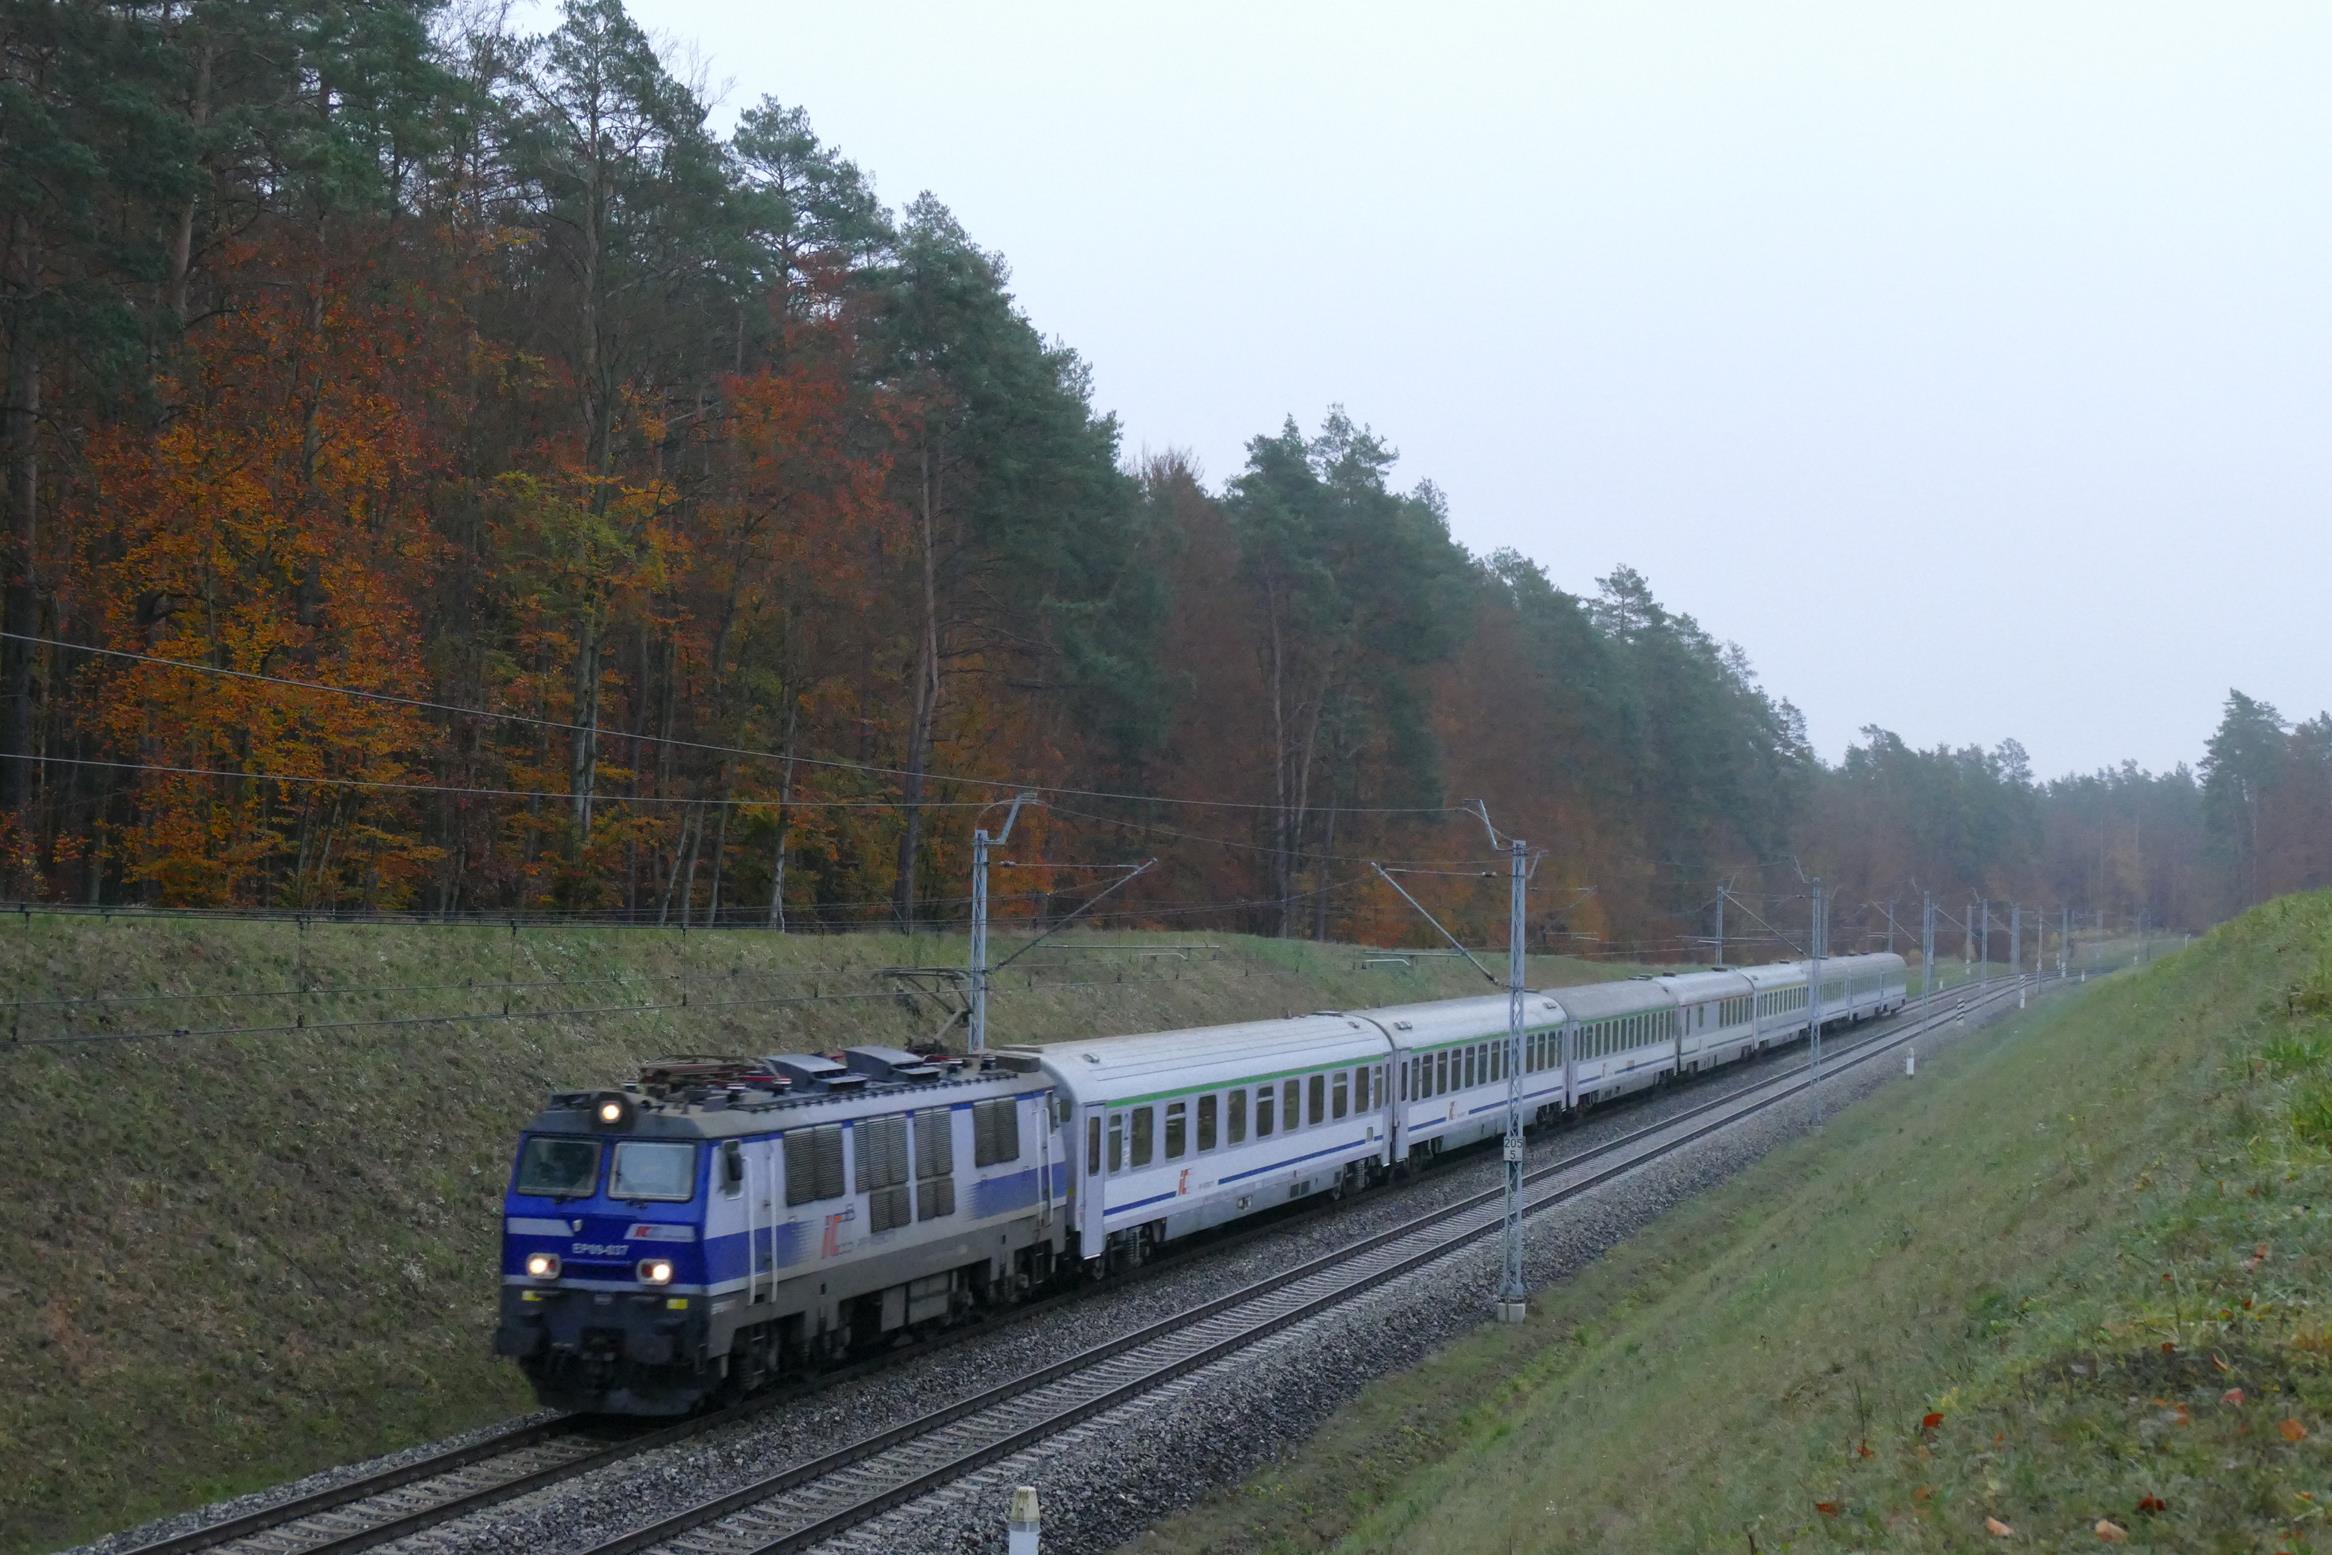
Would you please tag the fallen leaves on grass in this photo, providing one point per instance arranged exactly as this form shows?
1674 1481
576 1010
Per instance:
1826 1508
2293 1431
2112 1532
1930 1421
2232 1396
2152 1503
1996 1528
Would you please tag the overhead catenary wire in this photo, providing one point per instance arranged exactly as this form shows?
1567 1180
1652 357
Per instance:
465 790
835 763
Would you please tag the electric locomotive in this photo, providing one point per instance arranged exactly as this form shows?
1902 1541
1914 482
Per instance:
687 1236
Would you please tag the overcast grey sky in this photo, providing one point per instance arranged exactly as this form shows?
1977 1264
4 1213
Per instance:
1968 363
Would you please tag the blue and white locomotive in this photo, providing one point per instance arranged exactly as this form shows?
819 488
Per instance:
692 1234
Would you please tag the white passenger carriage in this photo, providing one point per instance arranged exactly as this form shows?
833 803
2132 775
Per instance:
1855 988
1779 1002
1621 1037
1177 1131
1716 1018
1449 1078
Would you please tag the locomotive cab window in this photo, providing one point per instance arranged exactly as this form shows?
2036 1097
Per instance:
645 1170
559 1168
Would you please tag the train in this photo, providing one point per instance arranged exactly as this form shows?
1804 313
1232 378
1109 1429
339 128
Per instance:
685 1238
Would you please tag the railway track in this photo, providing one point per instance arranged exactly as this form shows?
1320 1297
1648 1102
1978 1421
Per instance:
864 1478
812 1502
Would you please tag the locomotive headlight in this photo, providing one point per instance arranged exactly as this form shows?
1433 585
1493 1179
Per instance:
655 1271
610 1110
542 1266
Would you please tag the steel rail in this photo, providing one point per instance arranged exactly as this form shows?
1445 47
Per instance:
932 1452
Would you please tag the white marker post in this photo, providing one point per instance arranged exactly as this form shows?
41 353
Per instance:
1910 1060
1020 1528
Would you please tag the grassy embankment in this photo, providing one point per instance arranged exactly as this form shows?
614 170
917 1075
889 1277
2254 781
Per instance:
2064 1290
246 1258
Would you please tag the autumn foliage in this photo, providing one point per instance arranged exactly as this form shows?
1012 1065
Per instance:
682 533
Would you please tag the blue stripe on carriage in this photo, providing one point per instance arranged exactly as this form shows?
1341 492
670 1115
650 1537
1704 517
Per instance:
1491 1106
1295 1160
1156 1198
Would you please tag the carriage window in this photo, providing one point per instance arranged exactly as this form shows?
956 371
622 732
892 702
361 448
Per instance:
1145 1135
1177 1129
1291 1107
558 1168
1317 1111
1361 1091
1206 1122
1343 1094
1117 1141
1263 1109
1235 1117
1441 1072
1093 1146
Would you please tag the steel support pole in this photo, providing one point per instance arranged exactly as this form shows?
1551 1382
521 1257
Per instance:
1720 926
976 1011
2016 939
1513 1298
1926 942
1817 942
976 1039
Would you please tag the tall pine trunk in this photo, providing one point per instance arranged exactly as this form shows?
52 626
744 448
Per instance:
20 492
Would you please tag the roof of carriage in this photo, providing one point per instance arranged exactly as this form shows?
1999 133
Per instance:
1106 1069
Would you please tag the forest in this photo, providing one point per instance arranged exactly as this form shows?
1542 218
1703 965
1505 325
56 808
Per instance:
445 473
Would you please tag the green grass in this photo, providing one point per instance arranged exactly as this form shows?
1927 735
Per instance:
2019 1288
252 1257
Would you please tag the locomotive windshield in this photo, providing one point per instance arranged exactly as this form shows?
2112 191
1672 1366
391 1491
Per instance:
651 1171
558 1168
